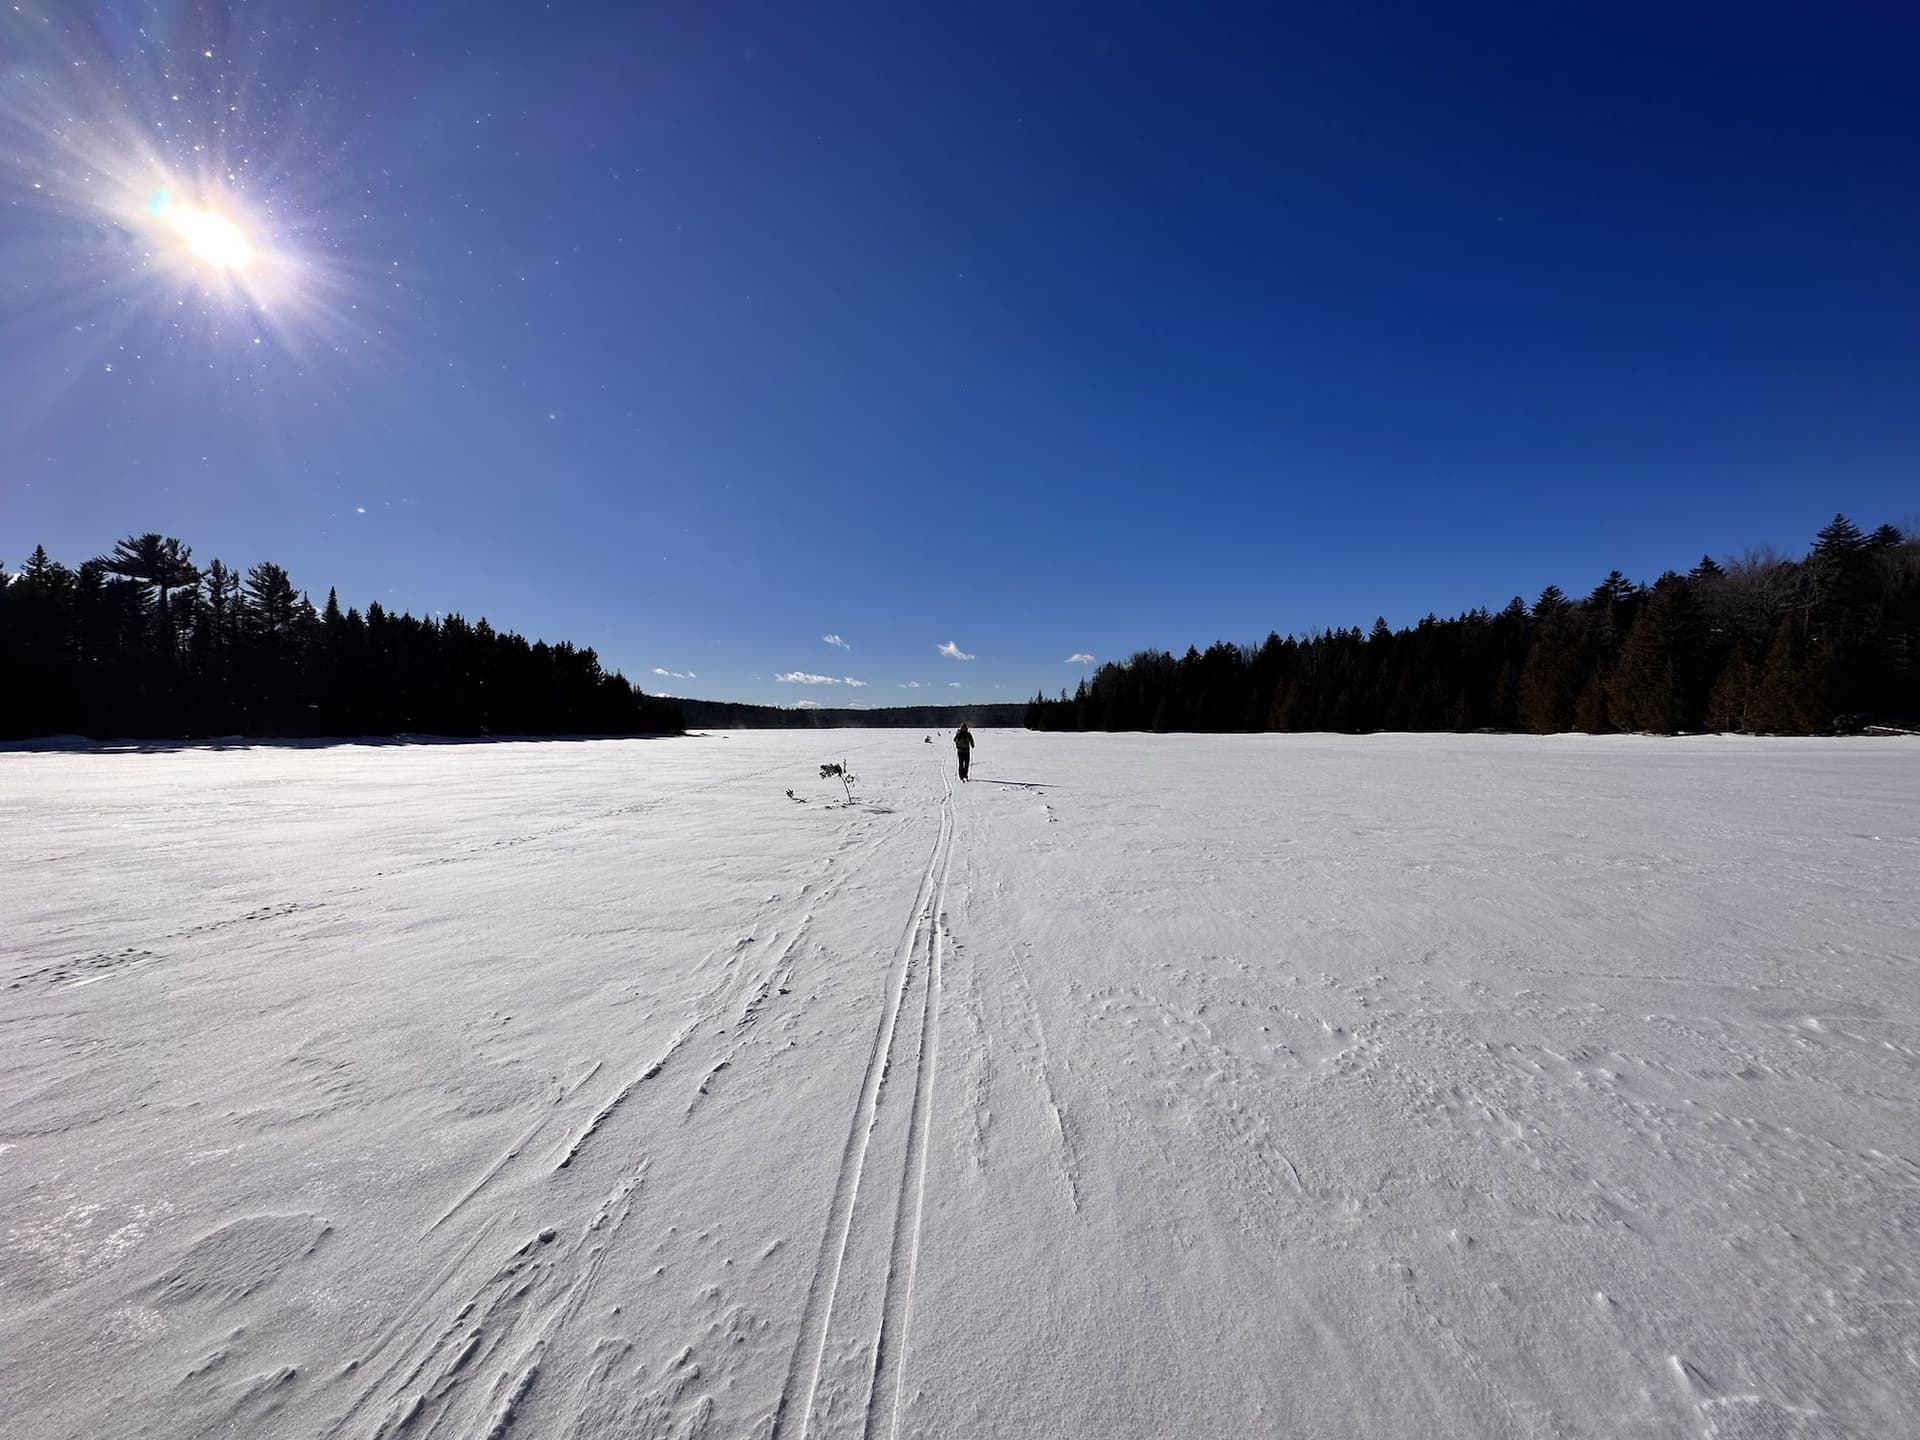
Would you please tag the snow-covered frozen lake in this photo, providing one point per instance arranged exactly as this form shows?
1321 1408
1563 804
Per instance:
1179 1086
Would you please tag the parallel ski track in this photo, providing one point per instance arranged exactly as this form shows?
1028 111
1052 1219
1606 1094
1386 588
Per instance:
896 1313
793 1415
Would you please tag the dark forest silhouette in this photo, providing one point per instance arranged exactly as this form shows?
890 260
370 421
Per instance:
1761 644
144 643
726 715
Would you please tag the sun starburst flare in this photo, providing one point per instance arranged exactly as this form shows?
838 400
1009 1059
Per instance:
170 205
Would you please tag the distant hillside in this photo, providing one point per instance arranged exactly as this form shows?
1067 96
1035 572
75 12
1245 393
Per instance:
722 715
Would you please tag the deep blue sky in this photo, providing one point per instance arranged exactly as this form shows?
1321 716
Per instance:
697 332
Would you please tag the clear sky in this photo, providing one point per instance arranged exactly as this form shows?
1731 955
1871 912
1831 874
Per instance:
701 332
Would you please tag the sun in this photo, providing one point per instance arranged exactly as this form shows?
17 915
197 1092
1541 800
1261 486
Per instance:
207 236
213 239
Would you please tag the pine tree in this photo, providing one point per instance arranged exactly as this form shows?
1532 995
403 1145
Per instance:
156 565
1616 589
1840 536
41 568
1651 687
1843 615
1730 707
1549 681
271 600
1590 707
1786 695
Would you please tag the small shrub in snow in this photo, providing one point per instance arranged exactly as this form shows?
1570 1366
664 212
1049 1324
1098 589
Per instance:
839 772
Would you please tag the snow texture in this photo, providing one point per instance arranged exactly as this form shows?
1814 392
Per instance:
1228 1086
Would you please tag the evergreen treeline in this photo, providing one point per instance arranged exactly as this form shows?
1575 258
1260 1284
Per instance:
727 715
1760 644
145 643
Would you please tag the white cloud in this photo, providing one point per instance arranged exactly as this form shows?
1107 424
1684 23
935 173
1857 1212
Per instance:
675 674
953 684
806 705
954 652
807 677
1079 658
836 640
911 685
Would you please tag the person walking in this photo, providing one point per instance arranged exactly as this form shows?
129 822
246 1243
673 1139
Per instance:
963 743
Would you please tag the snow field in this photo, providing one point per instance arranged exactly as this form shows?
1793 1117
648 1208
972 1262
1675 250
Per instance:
1141 1086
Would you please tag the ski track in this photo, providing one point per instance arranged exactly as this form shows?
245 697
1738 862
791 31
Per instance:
538 1288
885 1401
501 1326
704 1012
1067 1157
822 1320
